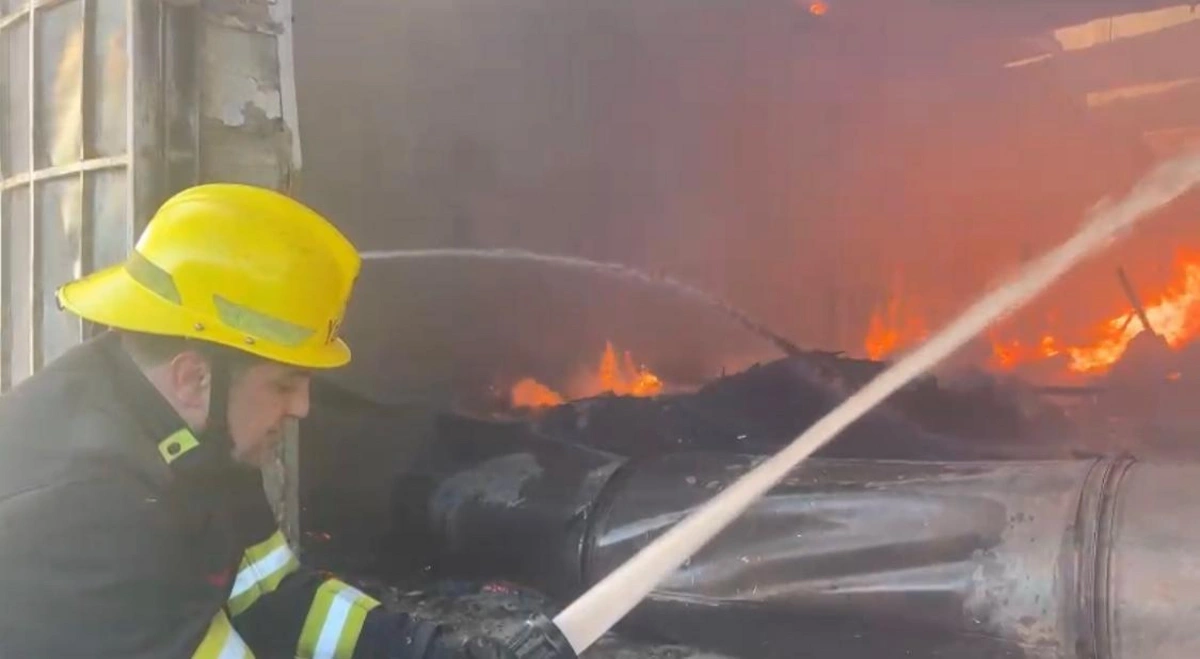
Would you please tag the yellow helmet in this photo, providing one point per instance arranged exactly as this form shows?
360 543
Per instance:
236 265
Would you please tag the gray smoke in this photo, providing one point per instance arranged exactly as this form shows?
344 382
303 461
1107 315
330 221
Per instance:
798 166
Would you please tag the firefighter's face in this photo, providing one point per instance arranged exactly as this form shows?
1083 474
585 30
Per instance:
263 397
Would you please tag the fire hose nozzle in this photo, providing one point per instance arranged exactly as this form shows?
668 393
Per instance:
540 638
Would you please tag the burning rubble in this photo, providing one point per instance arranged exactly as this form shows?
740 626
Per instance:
986 411
1172 311
610 376
894 325
528 392
969 430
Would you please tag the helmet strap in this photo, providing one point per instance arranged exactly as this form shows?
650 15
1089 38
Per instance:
216 438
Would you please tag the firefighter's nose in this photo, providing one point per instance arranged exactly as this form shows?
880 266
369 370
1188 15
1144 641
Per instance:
300 401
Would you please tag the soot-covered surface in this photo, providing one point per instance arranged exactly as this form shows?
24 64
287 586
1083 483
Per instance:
498 609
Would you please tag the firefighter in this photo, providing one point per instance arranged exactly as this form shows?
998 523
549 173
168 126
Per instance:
133 520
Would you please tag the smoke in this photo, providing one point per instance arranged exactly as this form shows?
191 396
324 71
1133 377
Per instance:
794 164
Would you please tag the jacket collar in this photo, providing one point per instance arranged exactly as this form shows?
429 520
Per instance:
179 447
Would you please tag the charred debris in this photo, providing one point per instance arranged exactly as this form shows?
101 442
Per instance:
370 471
483 517
758 410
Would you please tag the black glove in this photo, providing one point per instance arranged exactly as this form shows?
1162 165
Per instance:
412 639
398 636
478 647
484 647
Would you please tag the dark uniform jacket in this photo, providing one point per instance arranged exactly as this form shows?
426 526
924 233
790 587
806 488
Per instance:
122 535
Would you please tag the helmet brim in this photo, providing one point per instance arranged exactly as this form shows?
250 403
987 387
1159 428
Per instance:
113 298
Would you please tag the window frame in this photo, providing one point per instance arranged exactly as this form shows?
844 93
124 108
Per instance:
138 17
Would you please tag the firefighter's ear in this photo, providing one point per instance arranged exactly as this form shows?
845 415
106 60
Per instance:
189 380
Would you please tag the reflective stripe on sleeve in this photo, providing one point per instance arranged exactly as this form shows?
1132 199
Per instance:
222 641
263 566
334 621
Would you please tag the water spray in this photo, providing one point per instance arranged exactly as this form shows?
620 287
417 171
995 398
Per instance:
616 270
590 616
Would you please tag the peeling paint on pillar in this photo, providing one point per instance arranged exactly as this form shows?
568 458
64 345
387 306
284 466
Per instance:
251 15
246 68
244 135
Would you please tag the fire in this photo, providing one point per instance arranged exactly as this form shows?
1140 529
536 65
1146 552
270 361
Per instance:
530 393
626 379
1173 312
1174 315
892 328
622 377
1008 354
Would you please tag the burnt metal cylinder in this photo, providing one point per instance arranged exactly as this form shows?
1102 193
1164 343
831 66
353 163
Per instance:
851 558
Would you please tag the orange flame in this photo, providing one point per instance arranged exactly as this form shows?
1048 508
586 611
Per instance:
1010 353
621 378
893 328
626 380
1006 354
530 393
1173 312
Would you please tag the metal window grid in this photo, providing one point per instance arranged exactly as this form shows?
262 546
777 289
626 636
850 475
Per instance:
38 173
